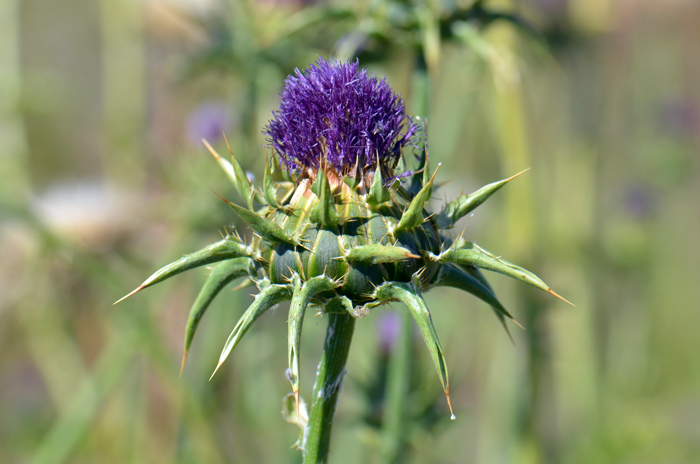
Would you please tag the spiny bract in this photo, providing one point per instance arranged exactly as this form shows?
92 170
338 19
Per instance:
346 234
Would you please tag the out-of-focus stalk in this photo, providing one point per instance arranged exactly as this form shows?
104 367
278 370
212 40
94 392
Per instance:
123 90
13 180
395 419
536 428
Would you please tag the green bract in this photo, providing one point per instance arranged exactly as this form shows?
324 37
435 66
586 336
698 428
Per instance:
344 245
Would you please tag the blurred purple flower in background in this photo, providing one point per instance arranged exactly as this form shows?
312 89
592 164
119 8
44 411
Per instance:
388 327
207 121
638 200
680 116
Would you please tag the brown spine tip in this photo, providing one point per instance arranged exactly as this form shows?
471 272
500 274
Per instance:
141 287
227 145
552 292
434 173
182 364
449 403
516 175
227 202
211 150
215 371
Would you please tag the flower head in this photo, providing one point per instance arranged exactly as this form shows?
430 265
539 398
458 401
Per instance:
339 115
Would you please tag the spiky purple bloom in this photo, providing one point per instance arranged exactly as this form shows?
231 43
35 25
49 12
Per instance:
339 113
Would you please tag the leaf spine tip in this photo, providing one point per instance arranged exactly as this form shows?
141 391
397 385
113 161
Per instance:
516 175
435 172
211 150
227 145
227 202
449 403
140 287
182 364
215 370
551 292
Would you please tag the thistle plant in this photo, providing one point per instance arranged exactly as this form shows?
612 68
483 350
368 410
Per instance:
343 226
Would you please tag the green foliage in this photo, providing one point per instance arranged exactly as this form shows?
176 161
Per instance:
607 130
311 213
376 253
465 204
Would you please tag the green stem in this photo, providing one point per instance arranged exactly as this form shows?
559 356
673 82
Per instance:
397 388
329 381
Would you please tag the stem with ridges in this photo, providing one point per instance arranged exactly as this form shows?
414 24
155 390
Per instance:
329 381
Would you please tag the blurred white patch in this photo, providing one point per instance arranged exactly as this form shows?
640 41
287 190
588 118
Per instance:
89 214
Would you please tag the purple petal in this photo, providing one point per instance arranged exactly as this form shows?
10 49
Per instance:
339 113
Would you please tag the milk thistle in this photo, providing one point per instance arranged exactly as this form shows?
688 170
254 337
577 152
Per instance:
351 230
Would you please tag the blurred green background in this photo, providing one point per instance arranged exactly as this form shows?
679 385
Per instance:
103 179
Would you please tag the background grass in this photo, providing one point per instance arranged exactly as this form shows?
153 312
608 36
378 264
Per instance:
103 180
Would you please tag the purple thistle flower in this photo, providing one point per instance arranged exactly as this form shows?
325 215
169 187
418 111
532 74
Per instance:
342 115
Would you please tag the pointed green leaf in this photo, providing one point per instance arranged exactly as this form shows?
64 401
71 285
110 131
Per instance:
260 225
378 194
465 204
300 300
287 175
278 175
228 248
221 275
413 216
266 299
413 300
324 211
476 273
419 179
452 276
269 188
426 163
316 185
377 253
235 173
467 253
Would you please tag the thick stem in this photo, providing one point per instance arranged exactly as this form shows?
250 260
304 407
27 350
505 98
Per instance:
329 381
